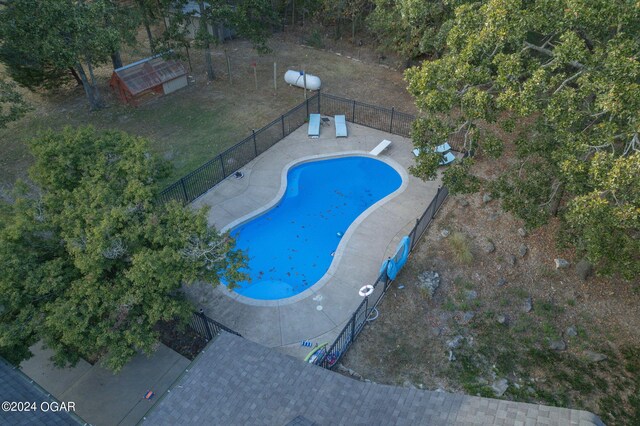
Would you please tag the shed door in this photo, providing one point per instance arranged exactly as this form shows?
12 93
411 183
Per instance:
173 85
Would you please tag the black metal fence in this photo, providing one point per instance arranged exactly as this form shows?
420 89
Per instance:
208 328
217 169
214 171
368 307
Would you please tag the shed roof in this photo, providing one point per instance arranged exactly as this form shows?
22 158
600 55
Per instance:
150 72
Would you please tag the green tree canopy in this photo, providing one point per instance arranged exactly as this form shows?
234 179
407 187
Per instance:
91 263
411 28
12 105
41 40
568 73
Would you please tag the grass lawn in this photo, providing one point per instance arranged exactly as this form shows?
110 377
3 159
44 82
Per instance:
195 124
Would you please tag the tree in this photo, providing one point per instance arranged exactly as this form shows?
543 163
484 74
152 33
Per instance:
412 28
44 39
91 264
252 19
566 76
12 105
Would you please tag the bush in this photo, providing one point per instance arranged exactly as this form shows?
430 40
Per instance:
460 248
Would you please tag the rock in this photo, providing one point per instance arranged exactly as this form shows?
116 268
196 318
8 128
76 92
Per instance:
522 251
493 216
558 345
463 202
436 331
467 317
440 390
472 294
528 305
595 356
486 198
501 281
482 381
408 384
522 232
430 281
584 269
503 319
530 389
455 342
511 260
444 233
486 245
452 357
561 263
571 331
500 387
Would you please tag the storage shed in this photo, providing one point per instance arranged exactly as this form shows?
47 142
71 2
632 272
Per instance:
147 79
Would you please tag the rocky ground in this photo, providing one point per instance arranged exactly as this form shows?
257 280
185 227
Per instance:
487 307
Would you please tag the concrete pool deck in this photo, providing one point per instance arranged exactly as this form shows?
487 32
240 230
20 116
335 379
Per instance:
319 313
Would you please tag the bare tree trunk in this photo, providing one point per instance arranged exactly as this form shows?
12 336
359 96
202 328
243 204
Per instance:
188 57
209 63
91 90
147 24
116 59
76 76
554 206
149 35
207 45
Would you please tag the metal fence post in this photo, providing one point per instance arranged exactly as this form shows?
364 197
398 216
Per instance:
184 191
255 146
224 173
307 102
391 124
353 327
353 112
282 119
433 211
318 94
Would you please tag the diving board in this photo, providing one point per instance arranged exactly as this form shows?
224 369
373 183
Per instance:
341 126
381 147
314 126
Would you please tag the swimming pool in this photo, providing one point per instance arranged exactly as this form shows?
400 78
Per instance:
291 246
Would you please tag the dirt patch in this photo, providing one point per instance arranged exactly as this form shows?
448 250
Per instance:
500 310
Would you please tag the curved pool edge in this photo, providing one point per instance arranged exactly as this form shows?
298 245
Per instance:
344 240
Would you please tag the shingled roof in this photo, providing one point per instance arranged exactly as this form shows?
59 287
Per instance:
16 387
150 72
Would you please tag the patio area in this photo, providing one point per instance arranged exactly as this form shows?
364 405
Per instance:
319 313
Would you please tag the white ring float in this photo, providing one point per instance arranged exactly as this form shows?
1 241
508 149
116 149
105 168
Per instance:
366 290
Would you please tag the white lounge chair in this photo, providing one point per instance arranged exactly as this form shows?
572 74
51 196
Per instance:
444 148
448 158
440 148
314 126
381 147
341 126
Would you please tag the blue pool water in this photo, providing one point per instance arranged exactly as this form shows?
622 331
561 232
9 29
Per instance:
290 246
